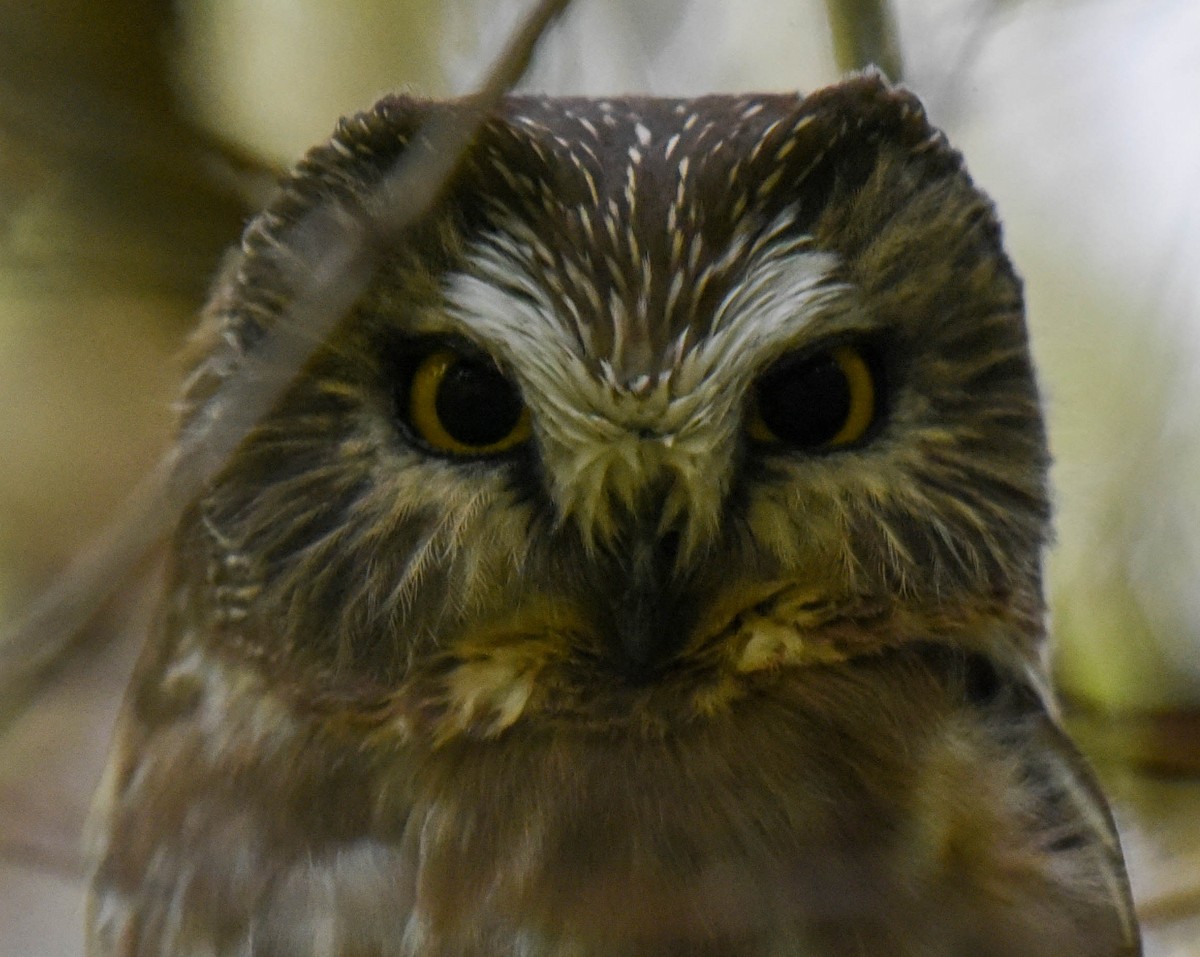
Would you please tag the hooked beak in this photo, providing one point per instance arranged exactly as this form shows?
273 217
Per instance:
648 608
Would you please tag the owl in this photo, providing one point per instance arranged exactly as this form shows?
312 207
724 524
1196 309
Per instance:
648 564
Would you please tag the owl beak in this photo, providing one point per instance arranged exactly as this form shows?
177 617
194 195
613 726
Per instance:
645 615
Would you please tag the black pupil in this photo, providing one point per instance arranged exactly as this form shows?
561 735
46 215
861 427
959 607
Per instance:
805 402
476 405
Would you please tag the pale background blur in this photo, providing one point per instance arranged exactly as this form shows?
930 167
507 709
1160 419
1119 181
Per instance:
126 131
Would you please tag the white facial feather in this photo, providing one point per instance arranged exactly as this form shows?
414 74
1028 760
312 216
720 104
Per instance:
609 445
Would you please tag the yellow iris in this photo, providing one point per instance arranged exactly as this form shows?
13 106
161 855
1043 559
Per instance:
862 396
823 401
465 406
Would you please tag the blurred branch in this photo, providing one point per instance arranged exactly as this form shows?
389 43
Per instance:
335 257
1163 742
105 185
153 198
864 34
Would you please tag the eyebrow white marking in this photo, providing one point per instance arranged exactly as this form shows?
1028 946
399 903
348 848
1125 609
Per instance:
610 421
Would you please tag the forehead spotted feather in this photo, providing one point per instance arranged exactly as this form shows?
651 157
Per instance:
639 216
636 214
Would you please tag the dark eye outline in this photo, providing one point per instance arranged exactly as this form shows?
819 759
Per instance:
863 380
425 371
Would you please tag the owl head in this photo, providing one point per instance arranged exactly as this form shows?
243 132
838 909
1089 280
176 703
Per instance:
661 397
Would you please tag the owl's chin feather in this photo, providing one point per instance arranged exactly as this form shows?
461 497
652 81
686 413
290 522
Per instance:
552 668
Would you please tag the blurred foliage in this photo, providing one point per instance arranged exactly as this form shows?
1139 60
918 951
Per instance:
104 183
113 211
276 75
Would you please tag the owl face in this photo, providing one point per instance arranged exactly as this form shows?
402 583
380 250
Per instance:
667 392
648 564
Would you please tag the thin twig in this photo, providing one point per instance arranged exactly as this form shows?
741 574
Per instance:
329 275
864 34
1167 907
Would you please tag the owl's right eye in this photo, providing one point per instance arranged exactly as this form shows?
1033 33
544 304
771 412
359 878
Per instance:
463 405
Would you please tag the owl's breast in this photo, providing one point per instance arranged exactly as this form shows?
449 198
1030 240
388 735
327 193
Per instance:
742 826
794 818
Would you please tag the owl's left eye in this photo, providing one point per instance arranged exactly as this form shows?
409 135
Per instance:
817 401
463 405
